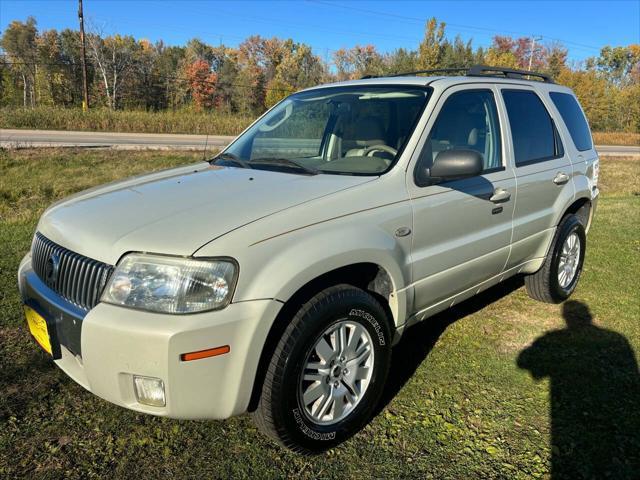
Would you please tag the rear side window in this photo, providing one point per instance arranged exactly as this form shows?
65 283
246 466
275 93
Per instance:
573 118
534 136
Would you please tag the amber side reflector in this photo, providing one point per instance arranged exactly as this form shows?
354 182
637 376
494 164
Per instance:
210 352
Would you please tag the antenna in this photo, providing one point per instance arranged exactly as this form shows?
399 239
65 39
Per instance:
204 153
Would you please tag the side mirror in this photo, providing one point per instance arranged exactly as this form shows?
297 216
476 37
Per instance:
454 164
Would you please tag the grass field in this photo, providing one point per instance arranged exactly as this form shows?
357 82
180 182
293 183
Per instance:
182 121
498 387
616 138
105 120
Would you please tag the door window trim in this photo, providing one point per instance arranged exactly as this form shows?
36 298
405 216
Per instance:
501 168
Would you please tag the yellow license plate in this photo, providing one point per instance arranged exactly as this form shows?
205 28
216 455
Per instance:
38 328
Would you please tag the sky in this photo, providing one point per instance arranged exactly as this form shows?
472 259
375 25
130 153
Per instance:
583 26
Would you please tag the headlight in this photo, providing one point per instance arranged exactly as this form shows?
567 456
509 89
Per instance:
171 284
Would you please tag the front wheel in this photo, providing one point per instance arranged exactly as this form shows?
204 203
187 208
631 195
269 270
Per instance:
327 372
558 277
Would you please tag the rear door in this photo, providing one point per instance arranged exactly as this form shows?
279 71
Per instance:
542 168
462 228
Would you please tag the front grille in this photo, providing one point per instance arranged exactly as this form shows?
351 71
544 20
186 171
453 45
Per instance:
77 278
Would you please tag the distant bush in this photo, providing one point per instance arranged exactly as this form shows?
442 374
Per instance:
105 120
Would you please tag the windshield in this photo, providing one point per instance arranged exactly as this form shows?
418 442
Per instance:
353 130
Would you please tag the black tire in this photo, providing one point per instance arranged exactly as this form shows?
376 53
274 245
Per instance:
280 413
544 285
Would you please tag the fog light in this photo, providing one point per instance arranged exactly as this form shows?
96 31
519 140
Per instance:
149 391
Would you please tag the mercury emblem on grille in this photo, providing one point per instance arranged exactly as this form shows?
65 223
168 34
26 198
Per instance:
51 268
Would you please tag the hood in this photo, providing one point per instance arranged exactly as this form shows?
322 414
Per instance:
177 211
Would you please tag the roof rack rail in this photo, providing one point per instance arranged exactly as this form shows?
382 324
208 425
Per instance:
488 71
475 71
433 70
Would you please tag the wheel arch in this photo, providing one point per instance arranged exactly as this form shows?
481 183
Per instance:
369 276
581 208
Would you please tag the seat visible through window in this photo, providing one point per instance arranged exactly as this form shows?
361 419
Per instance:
467 121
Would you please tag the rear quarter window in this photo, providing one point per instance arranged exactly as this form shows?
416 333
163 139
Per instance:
574 119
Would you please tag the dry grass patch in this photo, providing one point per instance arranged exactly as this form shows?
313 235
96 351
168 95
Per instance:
616 138
106 120
620 175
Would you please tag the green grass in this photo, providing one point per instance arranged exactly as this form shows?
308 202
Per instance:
458 404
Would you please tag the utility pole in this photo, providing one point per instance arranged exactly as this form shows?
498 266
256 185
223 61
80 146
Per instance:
85 88
533 47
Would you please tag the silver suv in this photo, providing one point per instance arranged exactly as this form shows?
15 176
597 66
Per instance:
276 277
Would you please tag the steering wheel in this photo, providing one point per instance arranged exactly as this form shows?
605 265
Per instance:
379 148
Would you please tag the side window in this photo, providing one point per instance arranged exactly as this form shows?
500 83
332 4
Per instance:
573 118
468 120
534 135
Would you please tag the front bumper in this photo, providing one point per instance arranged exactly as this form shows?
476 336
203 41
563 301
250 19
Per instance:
117 343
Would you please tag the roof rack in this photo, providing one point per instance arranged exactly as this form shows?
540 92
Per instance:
476 71
416 72
434 70
487 71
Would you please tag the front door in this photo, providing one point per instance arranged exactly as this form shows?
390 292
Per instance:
462 228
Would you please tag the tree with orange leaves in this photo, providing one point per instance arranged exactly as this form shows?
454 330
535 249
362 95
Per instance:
202 82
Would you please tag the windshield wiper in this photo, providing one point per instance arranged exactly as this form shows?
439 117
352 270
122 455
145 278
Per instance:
286 162
230 158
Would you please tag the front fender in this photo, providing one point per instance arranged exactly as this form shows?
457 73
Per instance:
290 263
277 267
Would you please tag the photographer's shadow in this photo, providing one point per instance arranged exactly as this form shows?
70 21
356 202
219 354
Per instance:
595 397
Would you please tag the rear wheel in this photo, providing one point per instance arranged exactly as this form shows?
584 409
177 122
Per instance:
559 275
327 372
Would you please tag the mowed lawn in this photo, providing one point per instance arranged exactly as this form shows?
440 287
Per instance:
499 387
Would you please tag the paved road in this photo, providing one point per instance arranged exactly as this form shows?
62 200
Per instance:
55 138
618 150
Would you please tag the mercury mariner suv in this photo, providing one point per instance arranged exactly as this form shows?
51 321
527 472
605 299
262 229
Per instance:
276 277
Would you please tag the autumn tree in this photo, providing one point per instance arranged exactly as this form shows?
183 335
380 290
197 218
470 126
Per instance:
276 91
202 82
357 62
401 60
556 59
19 42
113 58
227 81
430 49
458 54
69 57
617 63
300 68
501 53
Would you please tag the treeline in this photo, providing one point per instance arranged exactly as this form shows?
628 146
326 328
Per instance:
44 69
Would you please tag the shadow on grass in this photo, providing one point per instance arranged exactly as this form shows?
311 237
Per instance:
419 340
25 379
595 397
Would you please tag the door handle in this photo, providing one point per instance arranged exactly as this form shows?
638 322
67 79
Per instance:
500 195
561 178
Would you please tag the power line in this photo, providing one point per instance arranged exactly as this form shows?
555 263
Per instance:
322 28
212 35
448 24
